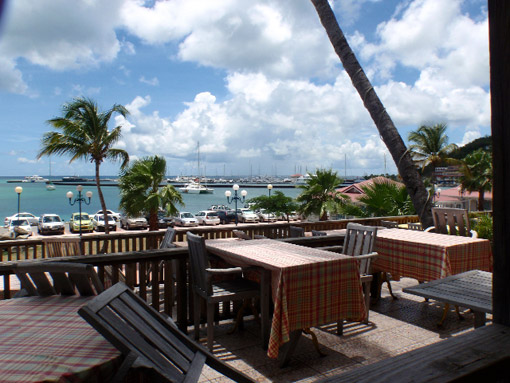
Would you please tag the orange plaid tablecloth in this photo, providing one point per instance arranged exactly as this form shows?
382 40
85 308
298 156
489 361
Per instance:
310 287
44 339
428 256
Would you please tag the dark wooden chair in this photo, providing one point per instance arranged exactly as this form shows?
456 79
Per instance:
389 224
68 279
150 343
317 233
296 232
451 221
212 292
359 242
168 239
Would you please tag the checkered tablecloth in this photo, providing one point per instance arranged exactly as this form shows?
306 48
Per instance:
44 339
310 287
428 256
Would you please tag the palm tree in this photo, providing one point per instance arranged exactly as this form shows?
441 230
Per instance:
82 132
477 174
140 192
431 146
320 195
382 120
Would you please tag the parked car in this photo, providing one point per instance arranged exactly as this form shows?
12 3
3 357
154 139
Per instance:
265 216
207 217
133 222
84 221
226 216
246 215
100 224
32 219
164 221
293 216
116 216
19 227
50 224
185 219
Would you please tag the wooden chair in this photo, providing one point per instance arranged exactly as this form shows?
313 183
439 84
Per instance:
317 233
359 242
389 224
68 278
296 232
168 239
61 246
451 221
204 287
149 342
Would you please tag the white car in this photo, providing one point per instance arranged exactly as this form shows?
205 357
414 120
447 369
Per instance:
133 223
32 219
265 216
99 223
247 215
19 227
207 217
185 219
50 224
116 216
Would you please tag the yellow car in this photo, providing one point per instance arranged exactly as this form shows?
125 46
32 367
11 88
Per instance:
85 222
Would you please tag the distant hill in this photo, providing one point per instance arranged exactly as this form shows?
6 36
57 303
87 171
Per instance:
480 143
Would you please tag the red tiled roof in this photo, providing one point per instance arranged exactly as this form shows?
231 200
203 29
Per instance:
355 191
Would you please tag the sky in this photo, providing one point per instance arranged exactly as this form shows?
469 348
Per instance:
255 83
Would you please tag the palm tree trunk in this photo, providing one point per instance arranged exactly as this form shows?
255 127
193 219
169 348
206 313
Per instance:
104 249
373 104
481 198
153 220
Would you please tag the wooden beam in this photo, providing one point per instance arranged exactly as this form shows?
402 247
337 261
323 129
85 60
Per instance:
499 41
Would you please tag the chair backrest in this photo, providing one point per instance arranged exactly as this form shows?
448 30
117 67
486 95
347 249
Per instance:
241 234
148 340
317 233
61 246
295 232
360 240
451 221
68 278
389 224
198 262
168 239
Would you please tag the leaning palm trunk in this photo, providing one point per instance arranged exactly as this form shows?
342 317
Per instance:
103 206
383 122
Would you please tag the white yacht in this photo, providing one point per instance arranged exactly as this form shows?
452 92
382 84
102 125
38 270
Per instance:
34 178
196 188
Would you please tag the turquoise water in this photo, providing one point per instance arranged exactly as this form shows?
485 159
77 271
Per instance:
37 200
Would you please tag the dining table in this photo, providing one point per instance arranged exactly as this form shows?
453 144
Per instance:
43 339
309 287
428 256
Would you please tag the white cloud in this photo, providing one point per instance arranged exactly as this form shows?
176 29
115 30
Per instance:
23 160
152 82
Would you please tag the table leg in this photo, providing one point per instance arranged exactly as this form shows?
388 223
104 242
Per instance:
289 347
479 319
265 288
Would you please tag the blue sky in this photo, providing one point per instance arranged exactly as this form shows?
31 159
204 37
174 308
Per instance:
255 82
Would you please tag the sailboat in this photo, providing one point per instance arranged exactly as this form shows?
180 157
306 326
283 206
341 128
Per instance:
49 185
194 186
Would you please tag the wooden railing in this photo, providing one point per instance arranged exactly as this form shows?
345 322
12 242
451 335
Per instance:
25 249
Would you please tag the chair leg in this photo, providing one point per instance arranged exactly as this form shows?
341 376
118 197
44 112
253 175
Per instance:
210 325
196 315
388 283
340 327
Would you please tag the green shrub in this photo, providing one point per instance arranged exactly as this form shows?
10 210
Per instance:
483 226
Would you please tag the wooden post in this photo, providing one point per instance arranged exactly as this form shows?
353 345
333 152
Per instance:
499 41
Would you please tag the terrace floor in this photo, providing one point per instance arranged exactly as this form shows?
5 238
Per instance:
395 327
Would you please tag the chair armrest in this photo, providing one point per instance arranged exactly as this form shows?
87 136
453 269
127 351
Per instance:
474 234
232 270
431 228
366 256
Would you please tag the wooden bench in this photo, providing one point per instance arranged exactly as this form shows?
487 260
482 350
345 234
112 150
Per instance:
481 355
472 289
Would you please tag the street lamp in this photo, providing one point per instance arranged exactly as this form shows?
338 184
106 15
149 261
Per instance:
18 190
79 199
269 188
236 198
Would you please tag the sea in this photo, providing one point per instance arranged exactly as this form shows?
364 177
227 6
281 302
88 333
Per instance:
37 200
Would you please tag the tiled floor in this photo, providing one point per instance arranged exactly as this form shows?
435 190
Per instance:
395 327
